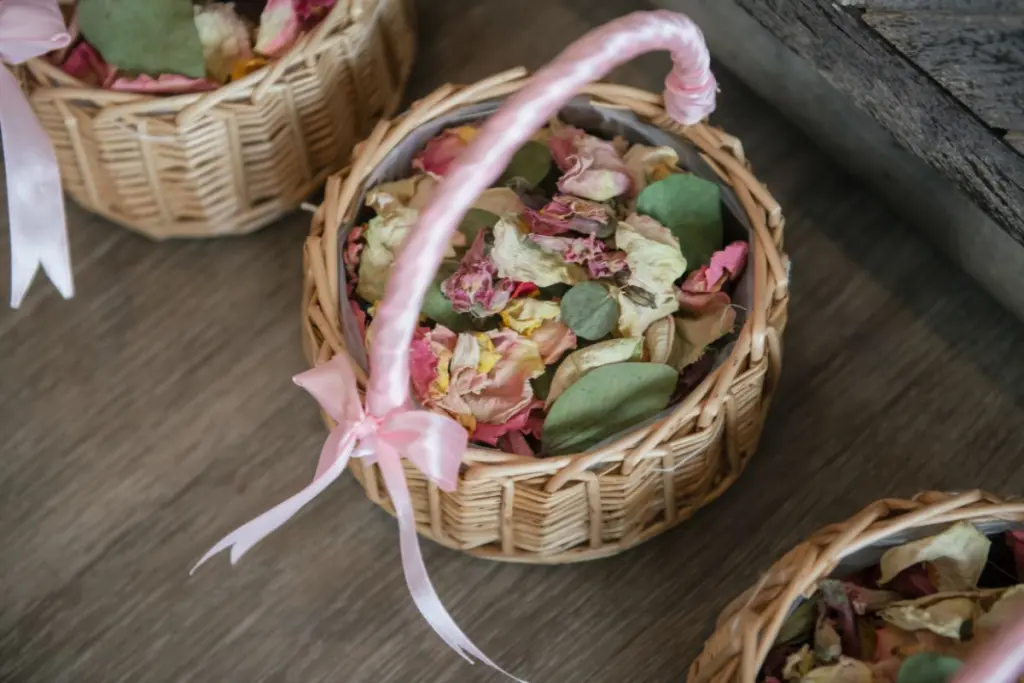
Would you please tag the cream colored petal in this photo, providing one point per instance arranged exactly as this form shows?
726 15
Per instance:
957 556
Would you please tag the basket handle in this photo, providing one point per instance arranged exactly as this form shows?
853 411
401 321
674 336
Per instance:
1000 661
689 97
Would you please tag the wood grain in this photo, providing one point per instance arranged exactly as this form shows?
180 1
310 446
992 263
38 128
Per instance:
923 118
155 412
979 58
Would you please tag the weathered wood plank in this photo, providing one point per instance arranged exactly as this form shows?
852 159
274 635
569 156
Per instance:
1016 140
965 6
920 116
978 58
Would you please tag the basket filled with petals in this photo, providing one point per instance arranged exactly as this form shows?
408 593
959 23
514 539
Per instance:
198 119
906 591
605 321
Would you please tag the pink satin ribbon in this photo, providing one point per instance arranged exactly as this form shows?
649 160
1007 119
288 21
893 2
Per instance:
30 28
389 430
1000 660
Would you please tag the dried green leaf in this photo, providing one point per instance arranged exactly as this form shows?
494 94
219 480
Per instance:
438 308
957 557
799 624
604 402
475 221
531 164
153 37
928 667
590 309
581 361
691 208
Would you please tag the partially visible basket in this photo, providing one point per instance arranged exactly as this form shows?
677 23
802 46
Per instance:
232 160
749 626
575 507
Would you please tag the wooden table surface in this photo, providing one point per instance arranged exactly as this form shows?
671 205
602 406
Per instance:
155 412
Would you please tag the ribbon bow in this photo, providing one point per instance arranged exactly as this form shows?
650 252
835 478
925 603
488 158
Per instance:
30 28
433 443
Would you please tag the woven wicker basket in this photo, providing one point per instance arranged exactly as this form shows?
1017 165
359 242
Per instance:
748 627
578 507
232 160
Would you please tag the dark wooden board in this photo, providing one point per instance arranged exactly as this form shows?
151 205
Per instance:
923 118
979 58
964 6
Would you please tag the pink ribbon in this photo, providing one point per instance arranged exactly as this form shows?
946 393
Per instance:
30 28
1000 660
433 443
389 430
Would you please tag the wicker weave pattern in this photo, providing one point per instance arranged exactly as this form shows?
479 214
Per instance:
570 508
233 160
747 628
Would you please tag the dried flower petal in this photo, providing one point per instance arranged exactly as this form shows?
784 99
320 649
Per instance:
279 28
654 258
526 315
648 164
225 38
553 339
596 172
384 237
520 259
412 193
565 213
442 150
475 287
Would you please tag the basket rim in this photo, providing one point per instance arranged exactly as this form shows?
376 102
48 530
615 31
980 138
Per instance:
722 152
310 41
747 627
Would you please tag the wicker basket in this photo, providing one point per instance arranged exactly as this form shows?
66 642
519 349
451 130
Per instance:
748 627
569 508
232 160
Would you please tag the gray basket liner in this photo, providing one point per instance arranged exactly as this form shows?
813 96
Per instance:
603 121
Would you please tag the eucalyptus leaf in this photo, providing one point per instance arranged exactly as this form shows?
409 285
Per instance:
799 624
475 221
590 310
437 307
530 165
691 208
542 384
604 402
928 667
153 37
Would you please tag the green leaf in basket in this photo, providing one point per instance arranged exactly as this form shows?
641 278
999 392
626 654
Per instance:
153 37
475 221
438 307
691 208
531 164
590 310
799 625
605 401
928 667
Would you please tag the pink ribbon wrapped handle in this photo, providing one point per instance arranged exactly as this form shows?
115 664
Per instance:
389 429
1001 660
28 29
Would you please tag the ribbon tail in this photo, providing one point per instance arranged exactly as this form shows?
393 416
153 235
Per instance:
422 590
242 539
34 197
